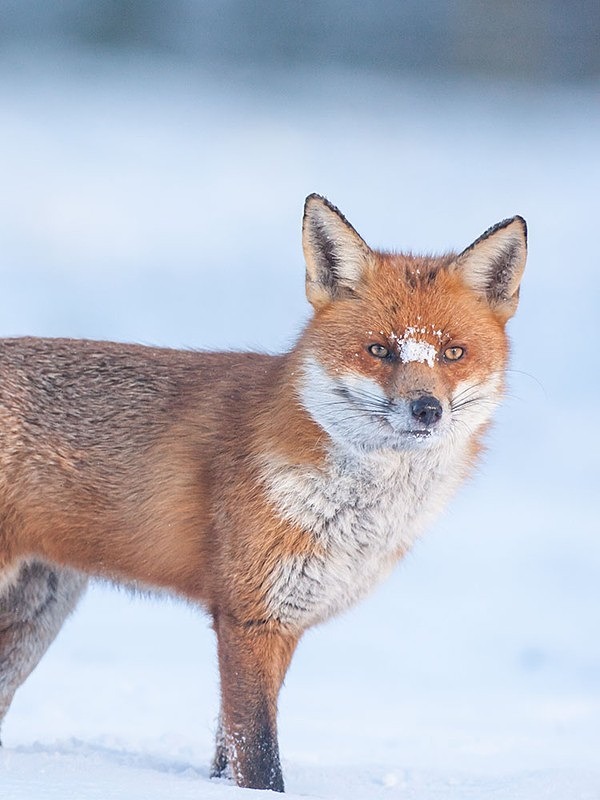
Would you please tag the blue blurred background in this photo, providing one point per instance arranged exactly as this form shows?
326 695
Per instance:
154 160
533 39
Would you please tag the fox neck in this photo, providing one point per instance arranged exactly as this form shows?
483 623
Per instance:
360 513
416 483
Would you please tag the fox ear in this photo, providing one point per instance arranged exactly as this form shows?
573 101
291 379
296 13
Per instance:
336 256
493 265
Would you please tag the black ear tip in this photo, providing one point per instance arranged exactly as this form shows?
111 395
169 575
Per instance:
523 224
314 199
505 223
314 205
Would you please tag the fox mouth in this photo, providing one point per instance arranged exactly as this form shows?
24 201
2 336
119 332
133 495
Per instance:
410 433
407 438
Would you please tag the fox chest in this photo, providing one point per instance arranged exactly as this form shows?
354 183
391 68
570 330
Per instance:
360 522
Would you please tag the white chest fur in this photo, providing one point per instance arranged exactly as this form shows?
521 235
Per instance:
363 513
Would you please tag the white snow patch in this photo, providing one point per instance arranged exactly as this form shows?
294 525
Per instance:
417 350
414 349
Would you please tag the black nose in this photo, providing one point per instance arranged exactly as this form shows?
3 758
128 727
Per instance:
426 409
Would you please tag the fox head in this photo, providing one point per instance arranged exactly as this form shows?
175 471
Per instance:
404 351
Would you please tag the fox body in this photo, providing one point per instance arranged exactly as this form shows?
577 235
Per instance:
274 491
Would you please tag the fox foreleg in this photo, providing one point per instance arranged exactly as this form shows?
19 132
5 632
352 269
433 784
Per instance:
253 660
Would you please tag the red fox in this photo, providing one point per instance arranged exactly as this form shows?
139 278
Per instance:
274 491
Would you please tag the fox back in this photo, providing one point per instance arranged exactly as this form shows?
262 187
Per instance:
273 490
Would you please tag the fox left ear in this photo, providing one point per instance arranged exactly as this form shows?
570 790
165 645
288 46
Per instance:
336 256
493 265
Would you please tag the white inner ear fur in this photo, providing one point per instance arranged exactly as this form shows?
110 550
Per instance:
351 255
480 264
326 235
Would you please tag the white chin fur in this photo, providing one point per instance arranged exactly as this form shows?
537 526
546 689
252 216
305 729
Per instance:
355 412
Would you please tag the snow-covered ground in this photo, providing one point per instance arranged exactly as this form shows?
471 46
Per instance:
150 202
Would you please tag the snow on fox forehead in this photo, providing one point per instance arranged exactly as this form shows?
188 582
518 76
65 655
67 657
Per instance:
412 346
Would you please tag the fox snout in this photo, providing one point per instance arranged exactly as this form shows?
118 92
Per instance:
426 409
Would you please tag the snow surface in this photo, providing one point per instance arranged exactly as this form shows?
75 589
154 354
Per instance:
149 202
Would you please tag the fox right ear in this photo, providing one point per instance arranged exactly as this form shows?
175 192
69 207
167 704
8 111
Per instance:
493 265
336 256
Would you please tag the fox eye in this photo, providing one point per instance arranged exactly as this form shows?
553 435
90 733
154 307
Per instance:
454 353
378 350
